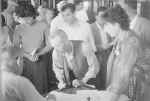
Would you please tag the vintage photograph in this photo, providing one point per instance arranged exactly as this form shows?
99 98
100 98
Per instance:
74 50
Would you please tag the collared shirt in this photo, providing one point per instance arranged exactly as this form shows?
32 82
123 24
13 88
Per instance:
75 62
57 23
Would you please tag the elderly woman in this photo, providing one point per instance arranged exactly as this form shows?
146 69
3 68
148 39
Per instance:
125 53
32 37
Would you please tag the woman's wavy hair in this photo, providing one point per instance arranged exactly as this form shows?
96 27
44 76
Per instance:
118 15
25 10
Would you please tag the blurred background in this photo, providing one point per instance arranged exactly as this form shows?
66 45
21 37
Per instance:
90 5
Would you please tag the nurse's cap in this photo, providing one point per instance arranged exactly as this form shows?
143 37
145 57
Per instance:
13 2
61 4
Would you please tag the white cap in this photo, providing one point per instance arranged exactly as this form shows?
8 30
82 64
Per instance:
61 4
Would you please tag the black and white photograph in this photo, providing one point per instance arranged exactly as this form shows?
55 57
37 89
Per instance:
74 50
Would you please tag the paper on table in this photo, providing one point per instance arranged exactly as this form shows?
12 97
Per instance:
67 97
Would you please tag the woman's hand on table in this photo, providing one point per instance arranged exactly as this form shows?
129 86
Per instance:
76 83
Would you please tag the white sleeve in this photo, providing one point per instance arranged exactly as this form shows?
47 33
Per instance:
90 38
57 68
93 63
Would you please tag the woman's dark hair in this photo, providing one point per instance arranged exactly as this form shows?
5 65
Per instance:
55 11
25 10
117 14
77 2
69 6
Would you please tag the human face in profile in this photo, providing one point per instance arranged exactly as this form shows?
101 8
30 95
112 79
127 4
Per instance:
99 18
112 29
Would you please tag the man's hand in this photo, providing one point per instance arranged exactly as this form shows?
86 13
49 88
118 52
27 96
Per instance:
61 85
77 83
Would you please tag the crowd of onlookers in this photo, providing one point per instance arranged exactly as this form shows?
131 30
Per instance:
46 49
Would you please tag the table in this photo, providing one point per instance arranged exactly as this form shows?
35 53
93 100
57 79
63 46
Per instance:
84 94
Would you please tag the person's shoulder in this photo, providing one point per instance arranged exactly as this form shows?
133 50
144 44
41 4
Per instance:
41 24
83 23
55 54
93 25
10 79
57 19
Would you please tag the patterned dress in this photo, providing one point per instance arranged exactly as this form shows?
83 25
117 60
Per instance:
121 64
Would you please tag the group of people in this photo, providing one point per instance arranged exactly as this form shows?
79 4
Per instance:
44 49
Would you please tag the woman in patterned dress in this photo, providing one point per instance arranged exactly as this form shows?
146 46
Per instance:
125 53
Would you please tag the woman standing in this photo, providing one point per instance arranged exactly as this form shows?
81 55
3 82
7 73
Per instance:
50 15
125 53
32 37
